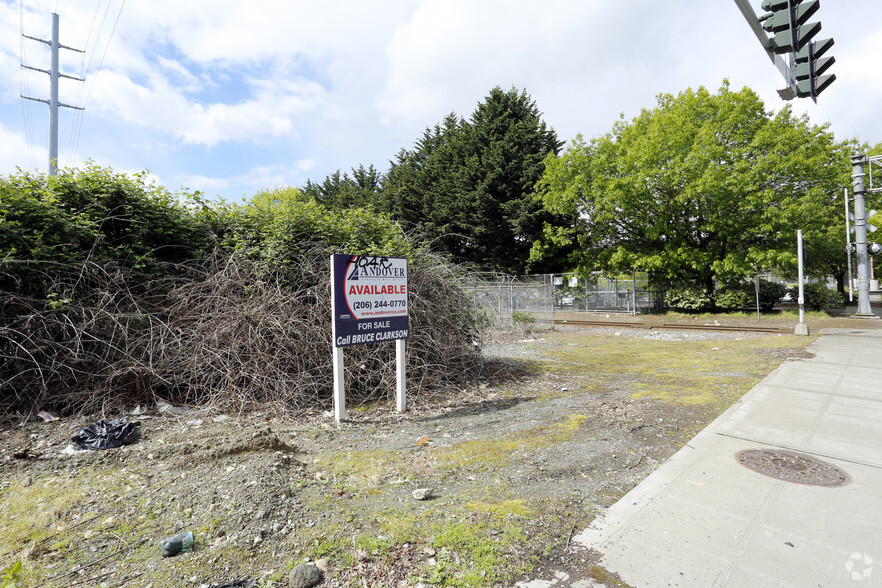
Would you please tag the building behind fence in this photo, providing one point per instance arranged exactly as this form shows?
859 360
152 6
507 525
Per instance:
502 300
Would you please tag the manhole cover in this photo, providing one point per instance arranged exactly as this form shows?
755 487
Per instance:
792 467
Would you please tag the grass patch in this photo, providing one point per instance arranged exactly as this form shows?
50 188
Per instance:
364 466
33 510
711 373
481 454
472 553
745 314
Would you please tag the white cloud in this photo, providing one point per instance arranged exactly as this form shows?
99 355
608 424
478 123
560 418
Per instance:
273 109
255 179
15 151
227 93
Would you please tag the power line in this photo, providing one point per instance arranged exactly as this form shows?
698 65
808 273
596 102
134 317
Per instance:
77 120
94 77
25 89
72 141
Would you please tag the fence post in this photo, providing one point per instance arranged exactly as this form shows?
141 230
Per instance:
634 292
511 301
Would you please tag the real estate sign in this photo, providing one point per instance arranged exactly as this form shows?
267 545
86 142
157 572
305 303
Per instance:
369 299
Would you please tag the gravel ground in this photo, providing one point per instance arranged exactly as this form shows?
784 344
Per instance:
264 494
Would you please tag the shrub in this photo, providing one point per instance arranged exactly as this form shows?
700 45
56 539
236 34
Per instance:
740 295
689 298
524 318
730 298
819 297
90 215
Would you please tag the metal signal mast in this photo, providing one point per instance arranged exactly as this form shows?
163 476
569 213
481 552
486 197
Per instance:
53 102
804 71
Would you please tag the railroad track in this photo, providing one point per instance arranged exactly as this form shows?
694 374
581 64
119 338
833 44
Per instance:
627 325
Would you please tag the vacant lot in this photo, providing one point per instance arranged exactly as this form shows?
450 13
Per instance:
562 425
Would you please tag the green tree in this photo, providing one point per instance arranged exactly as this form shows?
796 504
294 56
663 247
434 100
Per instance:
468 185
339 192
280 224
703 187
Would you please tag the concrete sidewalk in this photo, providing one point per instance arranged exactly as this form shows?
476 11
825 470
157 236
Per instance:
703 519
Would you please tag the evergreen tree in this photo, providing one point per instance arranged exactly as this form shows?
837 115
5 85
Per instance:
341 191
468 185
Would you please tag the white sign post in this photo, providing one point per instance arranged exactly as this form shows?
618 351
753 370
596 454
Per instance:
400 386
368 305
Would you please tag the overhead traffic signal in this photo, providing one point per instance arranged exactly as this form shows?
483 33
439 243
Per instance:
810 67
787 19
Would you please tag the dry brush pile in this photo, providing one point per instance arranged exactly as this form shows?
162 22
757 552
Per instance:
227 333
113 294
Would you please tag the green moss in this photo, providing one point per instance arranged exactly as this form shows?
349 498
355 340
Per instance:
504 509
32 510
480 454
472 542
362 466
374 544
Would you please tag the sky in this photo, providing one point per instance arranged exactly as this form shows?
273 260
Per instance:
230 97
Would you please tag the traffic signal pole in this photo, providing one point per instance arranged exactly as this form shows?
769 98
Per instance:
860 236
792 33
788 92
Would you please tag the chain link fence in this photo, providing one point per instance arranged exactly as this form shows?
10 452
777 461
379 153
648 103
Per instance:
502 300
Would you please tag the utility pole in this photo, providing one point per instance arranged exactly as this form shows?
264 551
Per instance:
53 102
860 236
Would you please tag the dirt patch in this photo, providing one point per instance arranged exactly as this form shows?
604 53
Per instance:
563 425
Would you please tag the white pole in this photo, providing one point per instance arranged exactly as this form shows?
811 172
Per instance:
511 301
400 375
634 292
337 357
756 290
801 328
339 389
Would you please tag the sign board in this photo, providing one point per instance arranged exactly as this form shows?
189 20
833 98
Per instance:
369 299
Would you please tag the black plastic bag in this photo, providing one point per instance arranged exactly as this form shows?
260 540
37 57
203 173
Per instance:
106 435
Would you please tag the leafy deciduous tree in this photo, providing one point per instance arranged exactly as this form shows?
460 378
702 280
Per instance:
704 186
